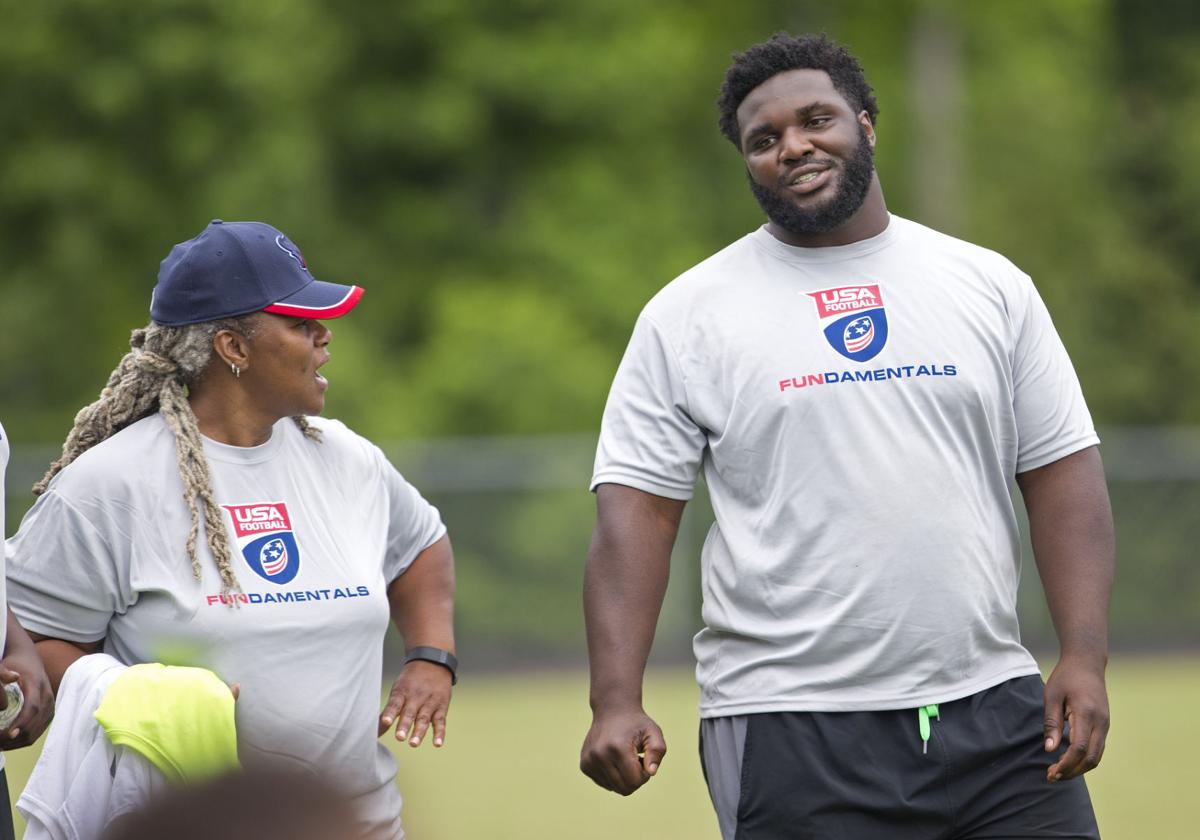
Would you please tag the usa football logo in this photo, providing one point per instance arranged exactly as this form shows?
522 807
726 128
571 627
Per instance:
853 320
264 534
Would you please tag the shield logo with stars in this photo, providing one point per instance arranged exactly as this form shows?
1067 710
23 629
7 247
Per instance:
264 534
853 320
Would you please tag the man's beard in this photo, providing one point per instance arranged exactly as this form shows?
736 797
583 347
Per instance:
852 189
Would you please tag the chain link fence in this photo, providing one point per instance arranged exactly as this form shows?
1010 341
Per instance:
520 516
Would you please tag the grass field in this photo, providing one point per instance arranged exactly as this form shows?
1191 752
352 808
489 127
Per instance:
509 770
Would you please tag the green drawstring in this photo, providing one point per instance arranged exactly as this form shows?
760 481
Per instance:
923 713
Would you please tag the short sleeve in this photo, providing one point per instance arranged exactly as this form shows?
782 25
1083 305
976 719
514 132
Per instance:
648 439
1052 418
414 524
64 580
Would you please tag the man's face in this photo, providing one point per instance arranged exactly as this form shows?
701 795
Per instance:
808 155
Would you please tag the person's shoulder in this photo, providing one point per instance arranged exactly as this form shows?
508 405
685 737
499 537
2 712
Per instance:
935 244
329 427
120 466
337 439
697 285
127 452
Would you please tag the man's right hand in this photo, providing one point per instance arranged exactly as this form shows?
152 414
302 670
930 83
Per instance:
622 750
628 564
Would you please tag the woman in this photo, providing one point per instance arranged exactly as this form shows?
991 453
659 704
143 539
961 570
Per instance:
201 514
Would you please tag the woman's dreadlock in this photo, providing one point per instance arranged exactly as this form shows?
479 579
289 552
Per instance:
154 376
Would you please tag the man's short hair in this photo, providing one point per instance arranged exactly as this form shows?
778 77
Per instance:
785 52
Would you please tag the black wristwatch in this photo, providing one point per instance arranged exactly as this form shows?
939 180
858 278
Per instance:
431 654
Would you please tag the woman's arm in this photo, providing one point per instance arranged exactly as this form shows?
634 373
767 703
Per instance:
422 605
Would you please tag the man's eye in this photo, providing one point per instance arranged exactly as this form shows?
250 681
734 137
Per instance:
817 122
762 142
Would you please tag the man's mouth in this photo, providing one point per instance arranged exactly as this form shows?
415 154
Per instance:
808 179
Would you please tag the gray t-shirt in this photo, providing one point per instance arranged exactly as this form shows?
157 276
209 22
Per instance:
4 453
859 413
317 532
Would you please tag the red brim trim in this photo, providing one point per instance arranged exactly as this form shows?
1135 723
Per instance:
321 313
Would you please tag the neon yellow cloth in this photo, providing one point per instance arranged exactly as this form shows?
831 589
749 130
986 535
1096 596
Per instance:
179 718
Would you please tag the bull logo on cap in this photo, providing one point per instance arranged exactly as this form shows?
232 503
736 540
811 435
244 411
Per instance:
291 250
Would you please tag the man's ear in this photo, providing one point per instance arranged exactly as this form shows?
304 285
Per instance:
865 121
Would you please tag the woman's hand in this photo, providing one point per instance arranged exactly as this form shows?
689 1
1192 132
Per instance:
420 697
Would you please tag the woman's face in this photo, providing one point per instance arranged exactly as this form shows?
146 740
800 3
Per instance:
285 353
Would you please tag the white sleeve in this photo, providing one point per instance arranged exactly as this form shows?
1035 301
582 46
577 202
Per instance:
648 439
1052 418
414 524
65 579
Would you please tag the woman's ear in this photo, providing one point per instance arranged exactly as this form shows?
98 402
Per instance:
232 348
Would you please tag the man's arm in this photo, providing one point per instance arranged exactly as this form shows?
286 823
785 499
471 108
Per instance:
1070 522
22 665
628 564
58 655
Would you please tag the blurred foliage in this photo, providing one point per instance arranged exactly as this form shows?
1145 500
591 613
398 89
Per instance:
511 180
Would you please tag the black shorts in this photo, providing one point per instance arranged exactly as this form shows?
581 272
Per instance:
864 775
6 823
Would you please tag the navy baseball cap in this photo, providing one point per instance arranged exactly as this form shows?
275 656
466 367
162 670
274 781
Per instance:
234 268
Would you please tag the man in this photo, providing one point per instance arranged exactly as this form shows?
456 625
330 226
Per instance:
860 391
26 700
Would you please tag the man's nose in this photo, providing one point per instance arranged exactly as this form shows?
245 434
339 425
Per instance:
795 144
324 334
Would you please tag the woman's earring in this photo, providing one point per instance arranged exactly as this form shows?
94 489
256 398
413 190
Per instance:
237 371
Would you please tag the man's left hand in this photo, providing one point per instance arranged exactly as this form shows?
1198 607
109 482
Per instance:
38 707
1075 695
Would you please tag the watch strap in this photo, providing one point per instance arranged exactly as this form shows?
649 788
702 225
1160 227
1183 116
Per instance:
436 655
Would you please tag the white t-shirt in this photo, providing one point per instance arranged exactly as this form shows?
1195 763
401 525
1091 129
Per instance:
859 413
317 533
4 453
82 782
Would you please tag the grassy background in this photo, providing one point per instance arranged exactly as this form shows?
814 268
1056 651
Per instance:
509 767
